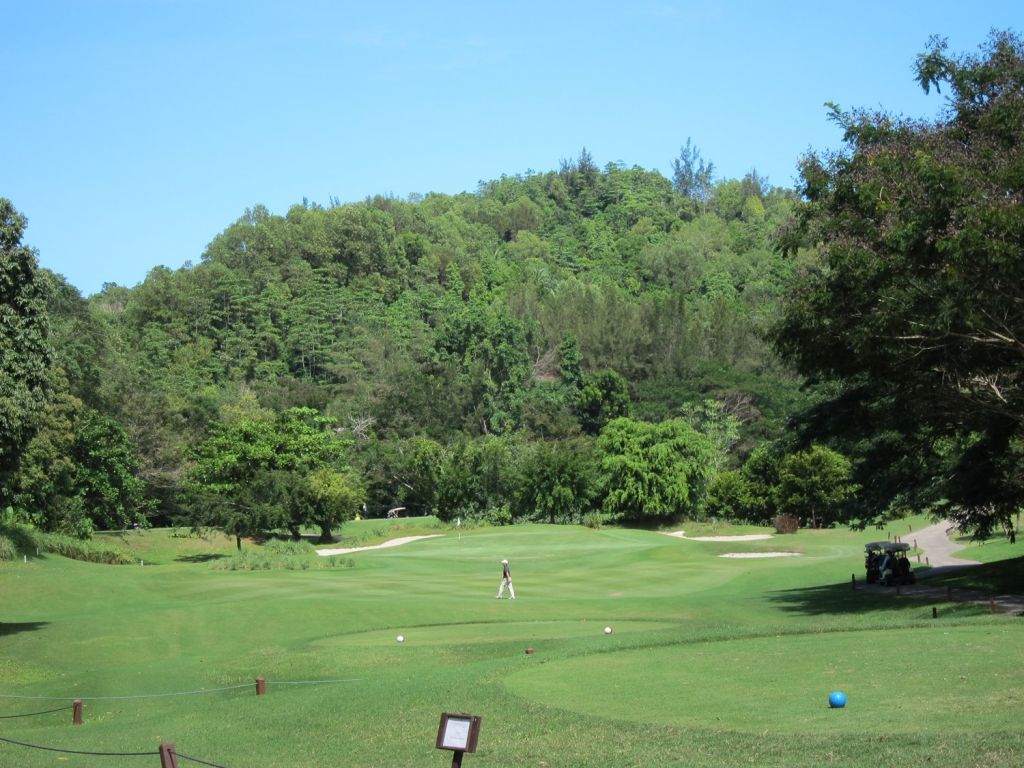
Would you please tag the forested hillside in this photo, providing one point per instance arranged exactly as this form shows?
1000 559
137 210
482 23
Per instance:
506 326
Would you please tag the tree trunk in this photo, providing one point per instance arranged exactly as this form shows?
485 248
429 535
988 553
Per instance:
238 542
325 534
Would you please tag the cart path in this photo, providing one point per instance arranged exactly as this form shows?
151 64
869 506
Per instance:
934 543
385 545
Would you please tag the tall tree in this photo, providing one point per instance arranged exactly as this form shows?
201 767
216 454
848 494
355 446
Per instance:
25 351
691 174
264 472
917 306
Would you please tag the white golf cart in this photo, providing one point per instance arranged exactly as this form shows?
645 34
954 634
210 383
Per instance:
887 563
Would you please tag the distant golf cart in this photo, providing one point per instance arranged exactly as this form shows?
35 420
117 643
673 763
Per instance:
887 563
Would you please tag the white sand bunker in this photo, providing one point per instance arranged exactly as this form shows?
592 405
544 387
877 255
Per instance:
385 545
746 537
761 554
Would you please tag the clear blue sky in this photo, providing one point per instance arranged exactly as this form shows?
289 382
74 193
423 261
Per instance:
136 130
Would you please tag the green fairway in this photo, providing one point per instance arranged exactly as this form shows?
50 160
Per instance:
712 662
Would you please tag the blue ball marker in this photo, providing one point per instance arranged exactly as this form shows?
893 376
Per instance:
837 700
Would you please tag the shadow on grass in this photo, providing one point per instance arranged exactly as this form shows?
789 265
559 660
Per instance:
840 599
24 626
206 558
1004 576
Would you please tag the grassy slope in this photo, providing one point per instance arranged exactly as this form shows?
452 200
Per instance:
713 661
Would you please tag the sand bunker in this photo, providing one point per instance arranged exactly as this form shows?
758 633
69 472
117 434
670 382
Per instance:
385 545
761 554
747 537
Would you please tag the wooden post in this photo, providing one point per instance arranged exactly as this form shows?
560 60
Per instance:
935 612
992 604
926 561
919 558
853 582
168 758
261 686
457 759
76 712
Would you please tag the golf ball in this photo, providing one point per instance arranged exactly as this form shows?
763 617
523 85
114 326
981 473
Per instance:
837 699
607 630
400 638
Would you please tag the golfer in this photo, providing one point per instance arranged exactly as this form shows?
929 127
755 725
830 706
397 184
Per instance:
506 581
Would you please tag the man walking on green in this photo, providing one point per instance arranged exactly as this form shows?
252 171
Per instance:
506 581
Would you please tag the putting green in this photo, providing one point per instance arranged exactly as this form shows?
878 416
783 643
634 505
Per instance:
899 681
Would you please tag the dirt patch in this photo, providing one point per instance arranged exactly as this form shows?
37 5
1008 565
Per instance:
760 554
385 545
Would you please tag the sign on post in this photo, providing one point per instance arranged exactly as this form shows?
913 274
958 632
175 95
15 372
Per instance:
459 733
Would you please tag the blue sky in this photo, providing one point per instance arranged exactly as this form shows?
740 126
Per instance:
136 130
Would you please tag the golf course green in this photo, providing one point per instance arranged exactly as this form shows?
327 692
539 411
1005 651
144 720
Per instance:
712 661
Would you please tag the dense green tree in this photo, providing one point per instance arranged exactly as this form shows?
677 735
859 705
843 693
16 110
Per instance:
79 473
260 473
25 349
814 485
559 481
916 306
653 471
479 478
604 397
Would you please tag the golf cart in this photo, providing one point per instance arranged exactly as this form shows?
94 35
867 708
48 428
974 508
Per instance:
887 563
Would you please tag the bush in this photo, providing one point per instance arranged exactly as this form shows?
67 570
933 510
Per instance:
18 537
279 556
77 549
786 524
593 520
499 515
7 549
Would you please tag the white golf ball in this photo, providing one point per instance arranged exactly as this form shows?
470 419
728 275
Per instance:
607 630
400 638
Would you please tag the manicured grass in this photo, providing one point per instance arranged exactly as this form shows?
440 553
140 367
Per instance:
713 661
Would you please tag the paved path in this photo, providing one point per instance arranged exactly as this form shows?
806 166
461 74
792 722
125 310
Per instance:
934 544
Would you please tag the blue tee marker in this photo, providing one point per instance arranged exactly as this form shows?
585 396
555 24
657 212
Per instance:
837 699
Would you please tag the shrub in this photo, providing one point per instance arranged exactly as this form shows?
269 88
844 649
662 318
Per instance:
593 520
279 556
19 537
88 551
786 524
499 515
7 549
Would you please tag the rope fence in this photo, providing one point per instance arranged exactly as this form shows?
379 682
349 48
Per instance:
33 714
167 753
195 760
78 751
177 693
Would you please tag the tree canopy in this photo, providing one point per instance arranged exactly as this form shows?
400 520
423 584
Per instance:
25 375
916 307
